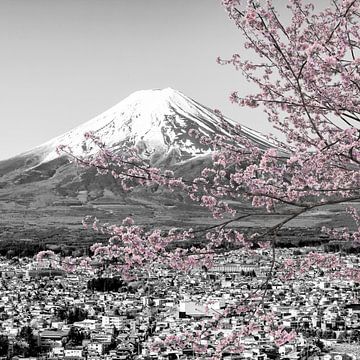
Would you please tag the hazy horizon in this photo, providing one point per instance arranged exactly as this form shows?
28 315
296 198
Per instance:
65 62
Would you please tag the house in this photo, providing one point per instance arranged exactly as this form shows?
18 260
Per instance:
111 321
74 352
96 347
52 337
57 351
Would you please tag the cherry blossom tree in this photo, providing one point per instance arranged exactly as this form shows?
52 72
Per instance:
308 79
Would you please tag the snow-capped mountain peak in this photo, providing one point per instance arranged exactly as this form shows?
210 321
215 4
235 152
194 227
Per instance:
156 121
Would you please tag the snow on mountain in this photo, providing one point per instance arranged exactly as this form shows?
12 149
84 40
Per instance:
156 121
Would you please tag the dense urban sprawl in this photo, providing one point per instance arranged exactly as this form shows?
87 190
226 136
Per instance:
48 313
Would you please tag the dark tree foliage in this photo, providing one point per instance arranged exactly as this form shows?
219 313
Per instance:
4 344
71 315
105 284
75 336
26 344
20 248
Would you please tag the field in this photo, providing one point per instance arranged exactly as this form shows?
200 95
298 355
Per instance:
61 223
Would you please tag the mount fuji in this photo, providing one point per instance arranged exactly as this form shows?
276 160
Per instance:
155 121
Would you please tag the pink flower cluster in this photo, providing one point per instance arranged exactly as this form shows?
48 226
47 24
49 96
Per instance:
306 70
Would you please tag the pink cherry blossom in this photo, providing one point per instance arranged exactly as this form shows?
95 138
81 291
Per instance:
305 68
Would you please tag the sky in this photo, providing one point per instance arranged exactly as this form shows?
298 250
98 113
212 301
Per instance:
64 62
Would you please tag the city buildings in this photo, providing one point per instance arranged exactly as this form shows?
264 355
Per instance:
69 321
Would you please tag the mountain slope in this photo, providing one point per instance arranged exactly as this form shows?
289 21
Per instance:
156 121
